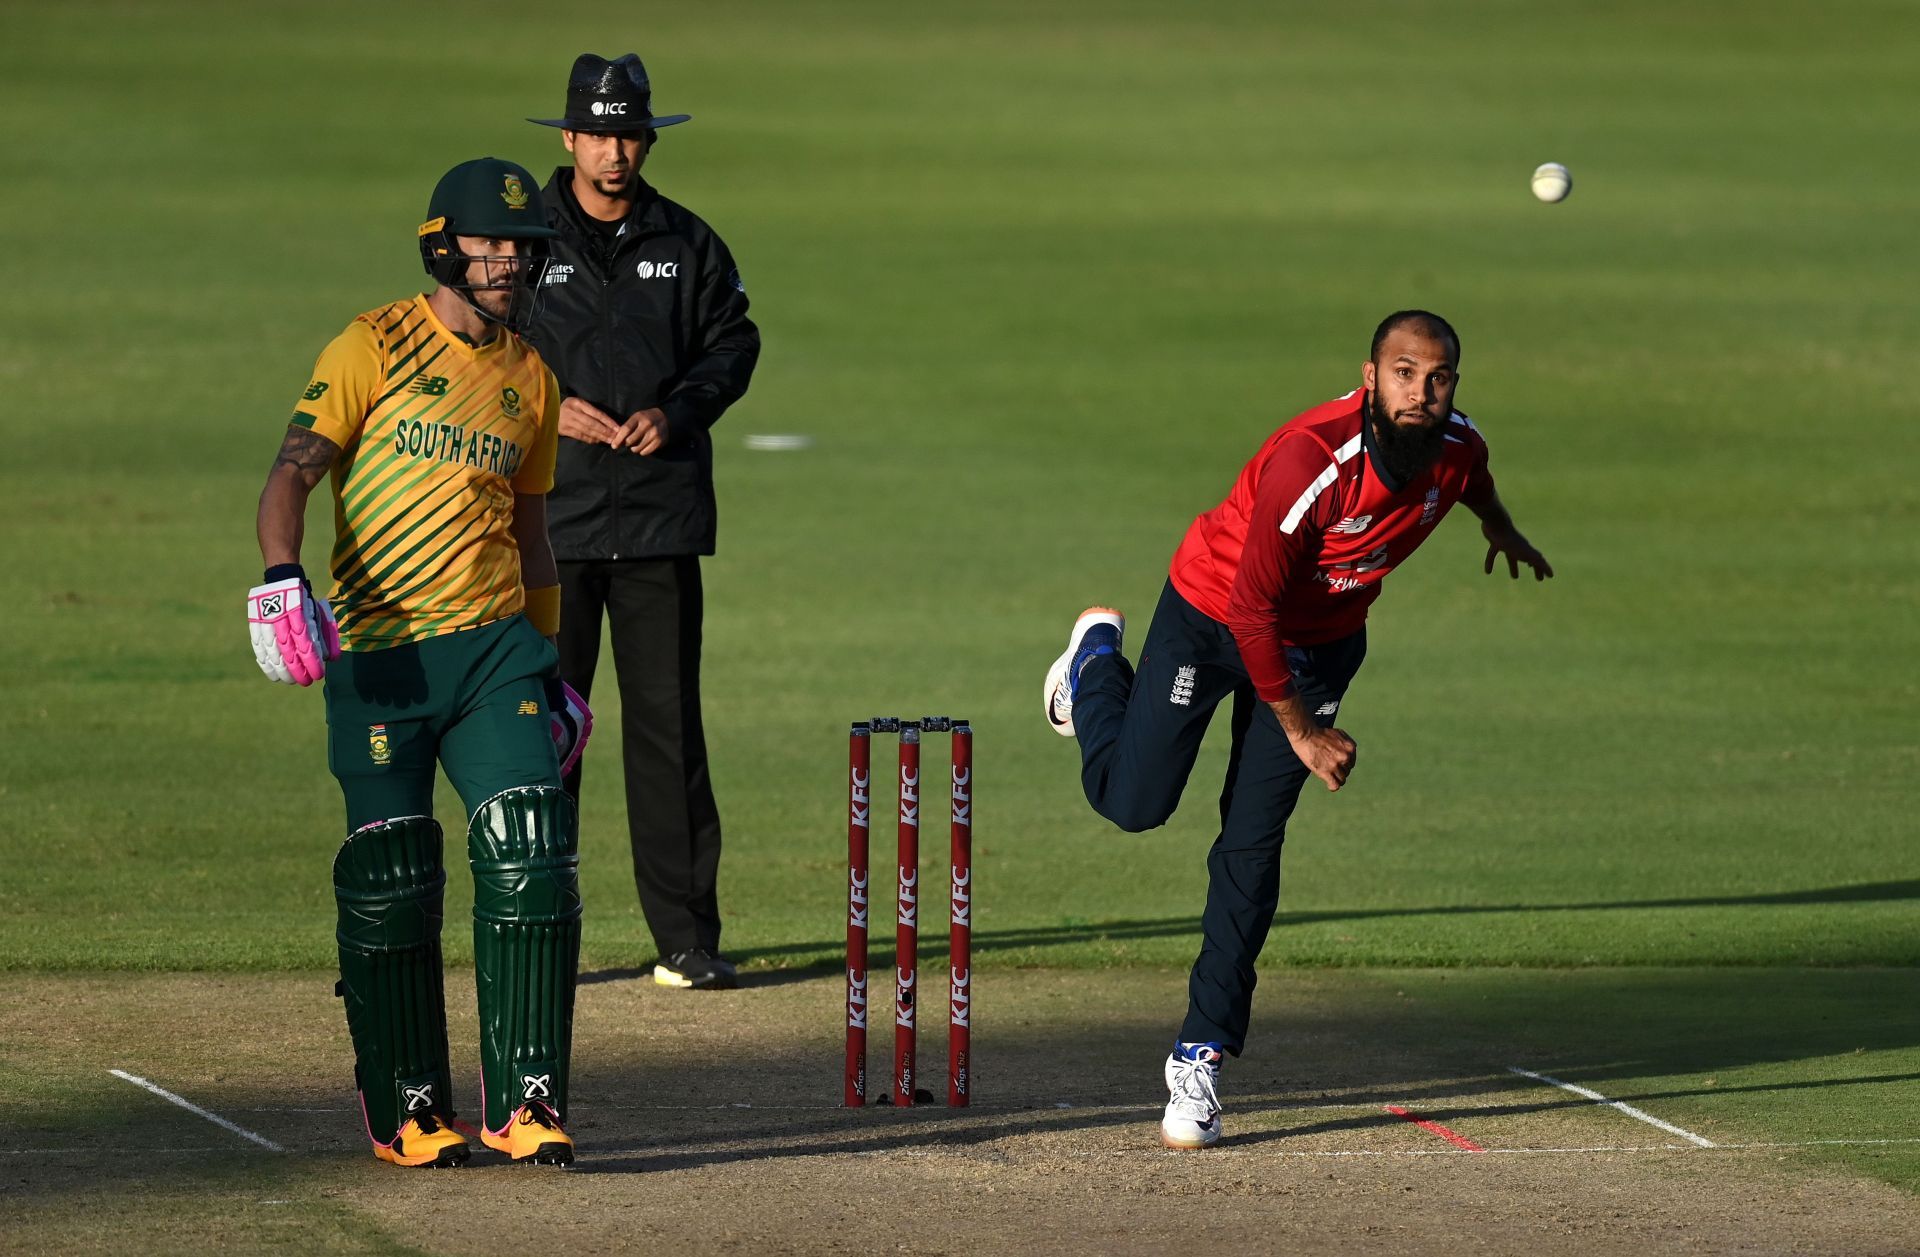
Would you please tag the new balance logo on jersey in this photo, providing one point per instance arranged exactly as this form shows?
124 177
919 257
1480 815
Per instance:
658 270
427 385
1183 681
1352 525
1327 709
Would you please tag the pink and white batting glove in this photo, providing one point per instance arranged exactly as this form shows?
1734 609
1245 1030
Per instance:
572 723
294 636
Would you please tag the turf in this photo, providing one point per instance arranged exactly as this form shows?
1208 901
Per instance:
1036 279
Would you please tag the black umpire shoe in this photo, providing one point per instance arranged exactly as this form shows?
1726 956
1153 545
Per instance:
698 969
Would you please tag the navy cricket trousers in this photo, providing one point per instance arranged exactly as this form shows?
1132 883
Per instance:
1139 734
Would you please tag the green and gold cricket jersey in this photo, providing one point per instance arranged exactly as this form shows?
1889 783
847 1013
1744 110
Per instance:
436 438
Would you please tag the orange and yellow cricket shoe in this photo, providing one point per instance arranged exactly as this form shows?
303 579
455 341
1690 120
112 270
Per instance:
425 1140
532 1136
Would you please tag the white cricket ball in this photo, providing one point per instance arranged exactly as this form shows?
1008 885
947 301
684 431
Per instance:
1551 182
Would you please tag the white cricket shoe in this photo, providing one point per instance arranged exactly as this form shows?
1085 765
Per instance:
1192 1119
1096 632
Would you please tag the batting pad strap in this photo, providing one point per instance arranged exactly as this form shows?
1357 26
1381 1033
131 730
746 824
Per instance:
543 609
388 882
526 940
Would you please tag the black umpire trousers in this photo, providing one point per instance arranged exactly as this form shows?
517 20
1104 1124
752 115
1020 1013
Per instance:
1139 735
654 608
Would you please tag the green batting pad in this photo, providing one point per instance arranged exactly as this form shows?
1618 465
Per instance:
526 942
388 881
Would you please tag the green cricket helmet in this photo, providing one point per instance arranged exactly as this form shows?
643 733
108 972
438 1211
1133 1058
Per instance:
499 200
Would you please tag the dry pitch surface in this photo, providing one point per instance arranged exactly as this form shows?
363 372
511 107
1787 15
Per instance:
711 1123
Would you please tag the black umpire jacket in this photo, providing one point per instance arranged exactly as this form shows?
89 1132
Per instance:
656 316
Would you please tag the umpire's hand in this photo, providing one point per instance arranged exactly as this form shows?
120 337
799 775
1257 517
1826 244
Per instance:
584 421
644 432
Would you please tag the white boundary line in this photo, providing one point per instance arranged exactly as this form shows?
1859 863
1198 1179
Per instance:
191 1107
1628 1109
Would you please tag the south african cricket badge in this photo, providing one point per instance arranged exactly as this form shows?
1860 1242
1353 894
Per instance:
378 748
514 194
510 402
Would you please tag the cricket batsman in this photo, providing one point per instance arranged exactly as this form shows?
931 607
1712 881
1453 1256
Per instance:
1267 602
437 424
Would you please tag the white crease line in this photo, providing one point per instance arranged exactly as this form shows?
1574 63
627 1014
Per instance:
117 1148
1229 1151
1309 1153
1034 1106
1628 1109
191 1107
1011 1106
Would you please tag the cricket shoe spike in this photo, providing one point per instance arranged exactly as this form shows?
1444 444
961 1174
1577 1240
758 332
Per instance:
425 1140
1096 632
532 1136
1192 1119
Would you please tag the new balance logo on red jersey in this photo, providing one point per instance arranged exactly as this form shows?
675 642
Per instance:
1352 524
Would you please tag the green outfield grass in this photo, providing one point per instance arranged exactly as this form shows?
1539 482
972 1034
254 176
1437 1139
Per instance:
1037 280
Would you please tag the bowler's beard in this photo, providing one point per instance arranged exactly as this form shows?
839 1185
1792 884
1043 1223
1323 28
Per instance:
1403 452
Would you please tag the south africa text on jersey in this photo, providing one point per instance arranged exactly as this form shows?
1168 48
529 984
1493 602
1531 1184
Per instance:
452 443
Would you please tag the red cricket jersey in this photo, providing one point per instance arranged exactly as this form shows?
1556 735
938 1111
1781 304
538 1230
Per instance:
1297 552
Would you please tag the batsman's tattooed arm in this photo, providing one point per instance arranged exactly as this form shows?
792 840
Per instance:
307 453
304 457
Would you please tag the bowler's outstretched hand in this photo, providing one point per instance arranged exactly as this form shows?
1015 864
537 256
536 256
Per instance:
1518 550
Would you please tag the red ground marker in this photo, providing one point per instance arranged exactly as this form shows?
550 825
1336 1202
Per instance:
1458 1141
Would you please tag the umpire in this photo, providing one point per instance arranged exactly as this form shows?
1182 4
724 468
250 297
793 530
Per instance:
645 323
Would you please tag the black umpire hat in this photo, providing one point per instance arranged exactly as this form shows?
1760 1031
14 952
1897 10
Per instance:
605 96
